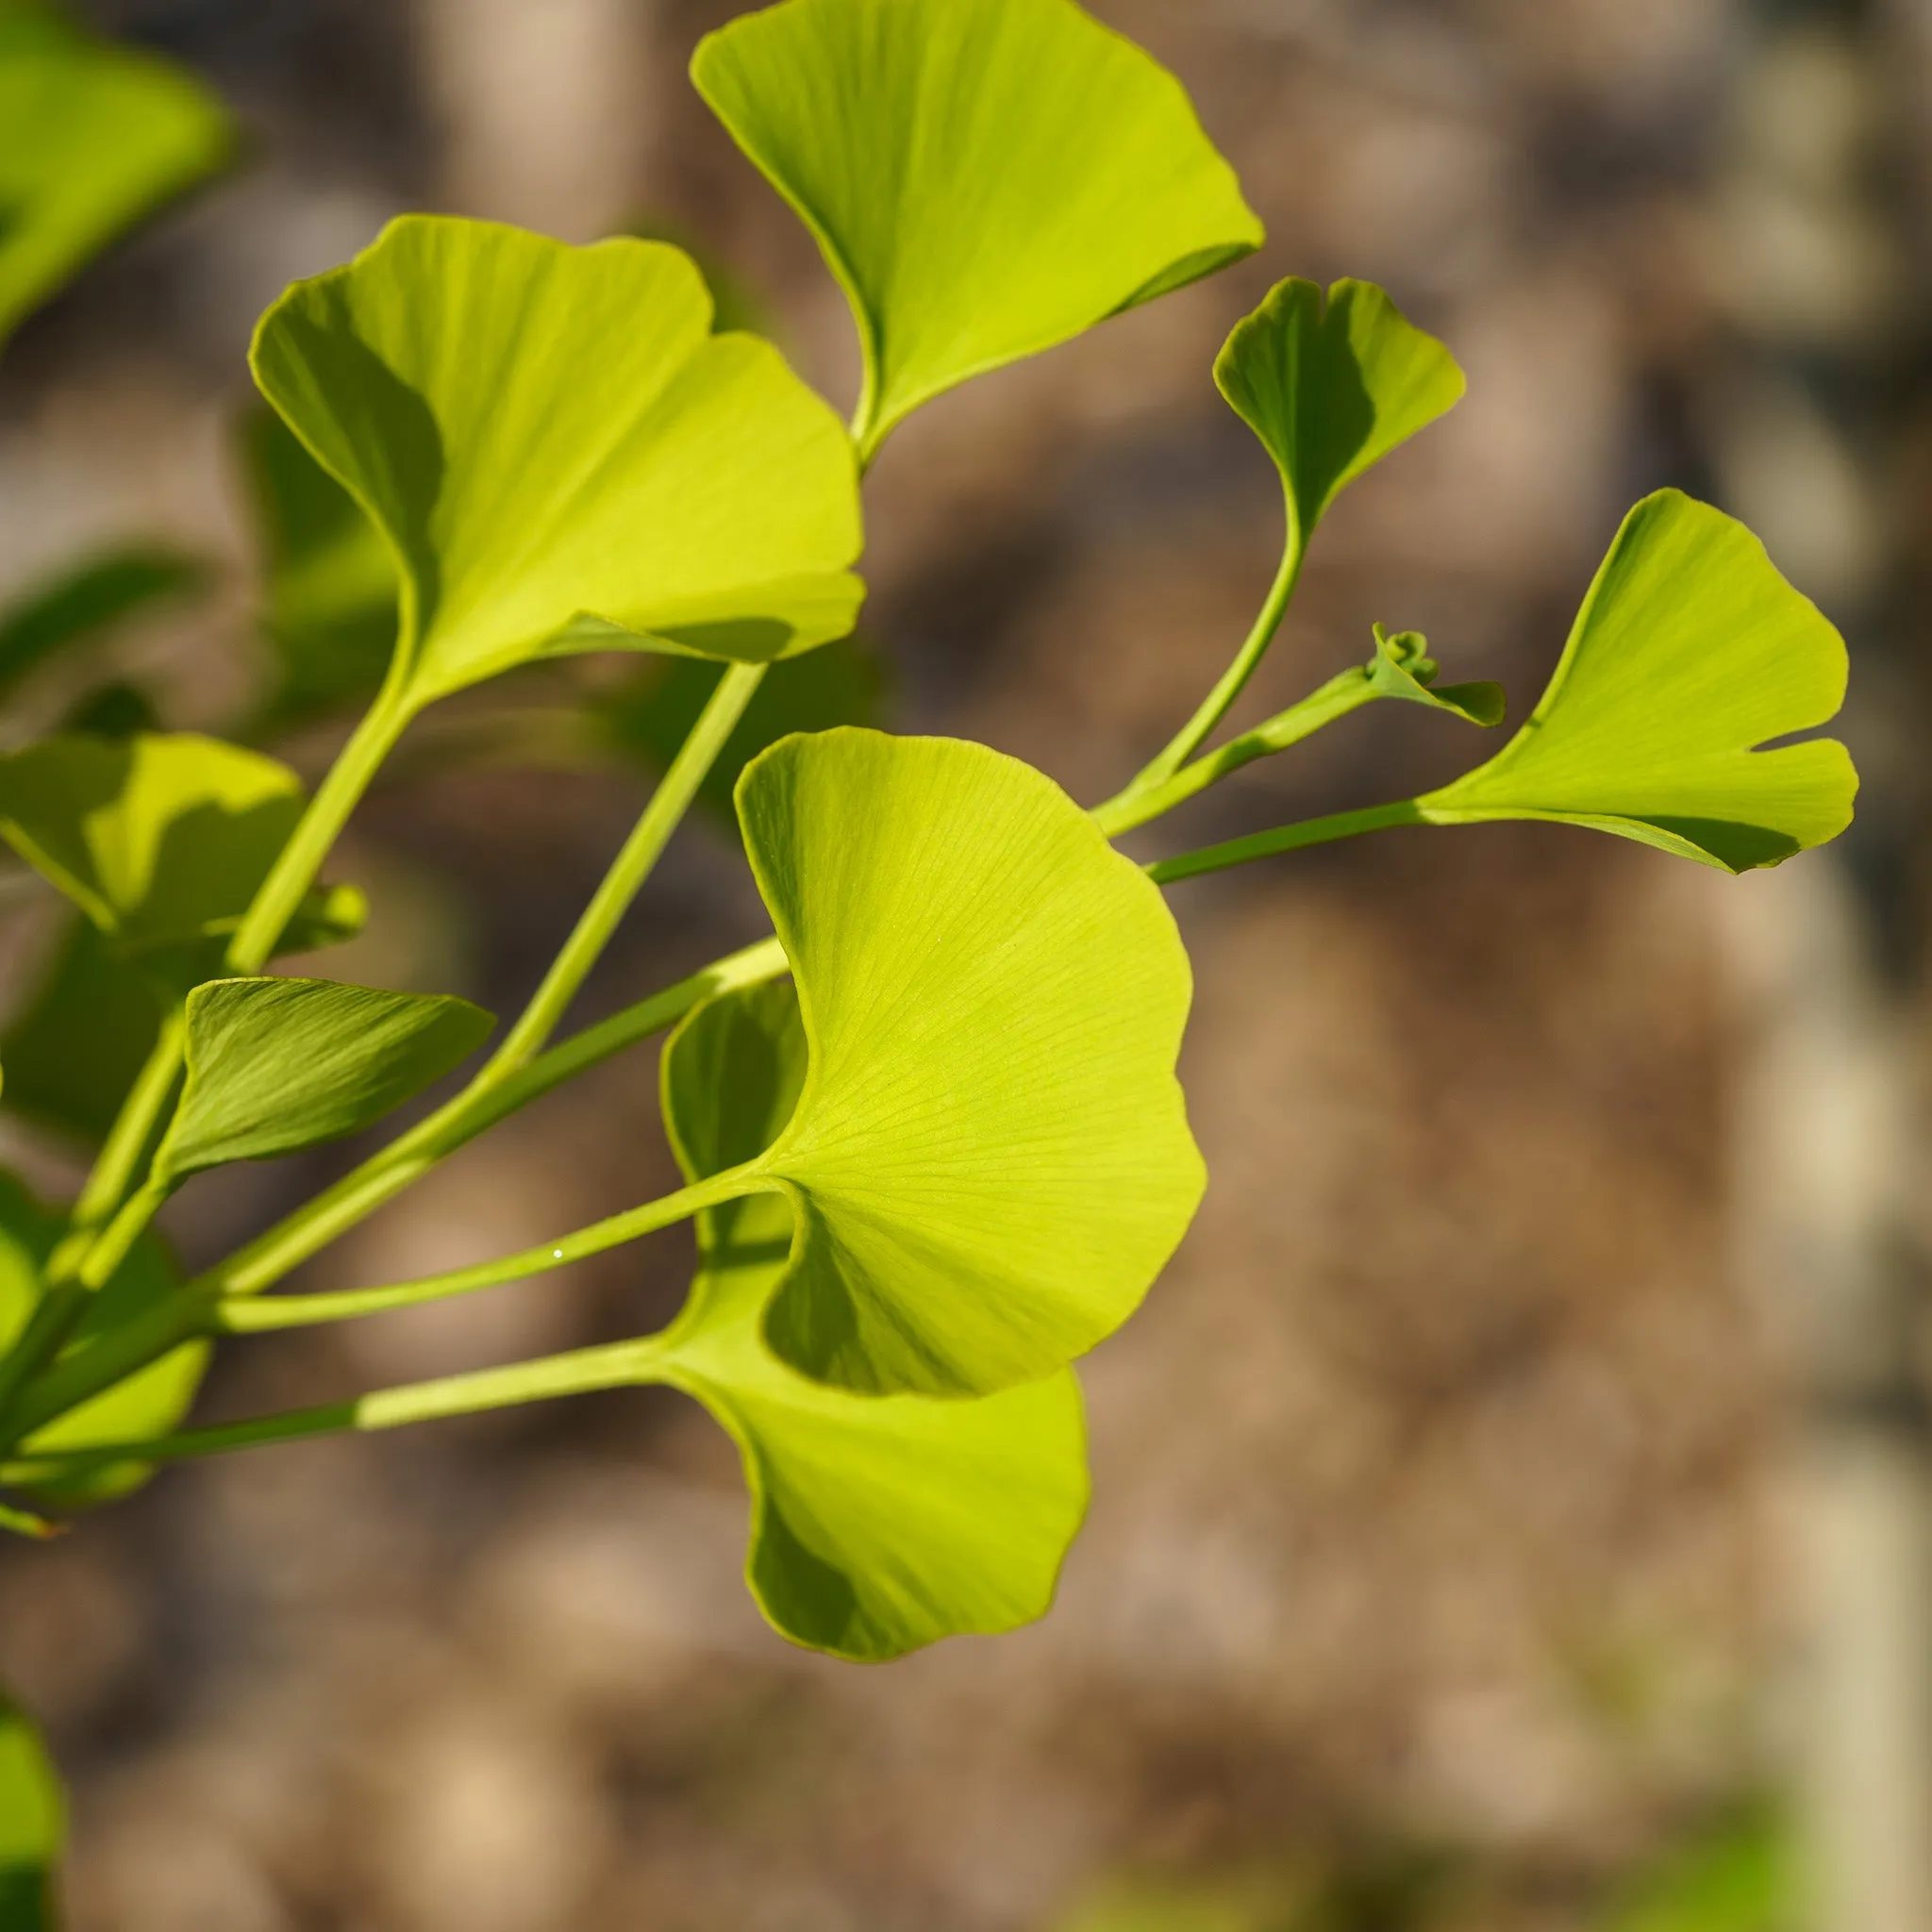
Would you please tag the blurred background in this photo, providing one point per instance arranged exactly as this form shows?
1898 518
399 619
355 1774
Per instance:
1512 1509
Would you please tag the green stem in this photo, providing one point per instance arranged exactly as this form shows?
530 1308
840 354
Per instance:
314 837
1234 680
253 1315
126 1143
627 873
1140 802
72 1274
613 1365
1342 825
265 1261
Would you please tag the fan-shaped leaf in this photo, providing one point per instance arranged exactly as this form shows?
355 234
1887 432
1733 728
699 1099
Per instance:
879 1524
33 1825
161 841
990 1161
546 434
1332 386
1402 668
275 1065
149 1403
92 136
985 177
1690 652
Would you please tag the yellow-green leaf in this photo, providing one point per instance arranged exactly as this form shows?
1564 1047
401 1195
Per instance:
559 454
33 1826
986 177
990 1161
276 1065
161 841
1689 653
879 1524
1332 384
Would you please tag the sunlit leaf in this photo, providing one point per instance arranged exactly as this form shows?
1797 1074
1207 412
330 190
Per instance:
161 841
990 1161
986 177
879 1524
276 1065
33 1826
92 136
89 600
73 1051
1690 652
561 456
147 1404
840 683
1332 384
329 611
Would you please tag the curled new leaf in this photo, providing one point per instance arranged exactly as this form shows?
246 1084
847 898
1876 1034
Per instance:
986 177
1690 652
276 1065
991 1161
1402 668
1332 386
33 1825
161 841
91 135
879 1524
149 1403
559 454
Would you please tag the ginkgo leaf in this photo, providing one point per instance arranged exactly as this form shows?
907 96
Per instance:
161 841
149 1403
986 178
879 1524
1332 384
92 136
560 454
276 1065
1690 652
33 1825
990 1161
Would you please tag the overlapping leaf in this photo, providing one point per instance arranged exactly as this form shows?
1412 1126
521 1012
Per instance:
92 136
561 456
161 841
1691 652
33 1825
991 1161
147 1404
879 1524
1332 384
986 177
276 1065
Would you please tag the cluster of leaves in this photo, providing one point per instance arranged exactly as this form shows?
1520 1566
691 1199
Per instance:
933 1140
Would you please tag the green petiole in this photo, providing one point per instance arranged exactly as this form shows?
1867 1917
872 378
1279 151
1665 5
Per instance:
612 1365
